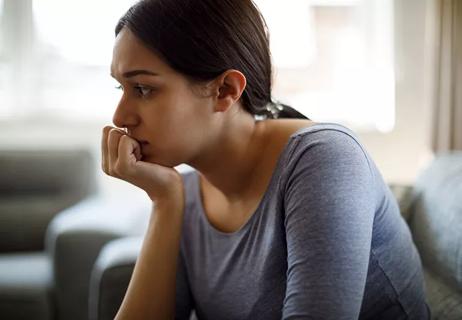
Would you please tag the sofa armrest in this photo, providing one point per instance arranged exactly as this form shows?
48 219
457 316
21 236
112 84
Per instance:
111 275
404 197
74 239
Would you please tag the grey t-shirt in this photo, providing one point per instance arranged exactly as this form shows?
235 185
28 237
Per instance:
326 242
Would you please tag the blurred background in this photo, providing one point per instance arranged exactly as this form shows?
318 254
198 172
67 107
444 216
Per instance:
390 70
369 64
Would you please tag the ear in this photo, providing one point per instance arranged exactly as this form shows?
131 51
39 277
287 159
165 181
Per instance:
228 89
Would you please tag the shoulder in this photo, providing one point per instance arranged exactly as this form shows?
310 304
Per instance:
298 135
328 170
329 134
326 143
324 153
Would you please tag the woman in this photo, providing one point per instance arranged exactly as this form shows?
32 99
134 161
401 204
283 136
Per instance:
281 218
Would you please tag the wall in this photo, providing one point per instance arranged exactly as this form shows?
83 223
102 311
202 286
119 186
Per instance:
401 154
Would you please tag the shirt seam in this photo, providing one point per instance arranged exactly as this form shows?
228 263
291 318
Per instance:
398 295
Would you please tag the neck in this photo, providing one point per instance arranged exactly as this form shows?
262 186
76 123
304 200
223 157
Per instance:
229 165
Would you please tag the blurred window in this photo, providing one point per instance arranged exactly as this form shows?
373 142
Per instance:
55 59
333 59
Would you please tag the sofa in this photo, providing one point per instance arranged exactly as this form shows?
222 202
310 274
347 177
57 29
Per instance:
432 207
35 186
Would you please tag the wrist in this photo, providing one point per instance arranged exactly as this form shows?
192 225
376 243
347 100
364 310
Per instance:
171 190
166 211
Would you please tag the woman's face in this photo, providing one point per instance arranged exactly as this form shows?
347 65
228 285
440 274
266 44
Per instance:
158 106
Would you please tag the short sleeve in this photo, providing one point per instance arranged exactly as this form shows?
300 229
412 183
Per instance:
184 301
329 212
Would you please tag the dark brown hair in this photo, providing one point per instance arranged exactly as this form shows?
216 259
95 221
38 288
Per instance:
202 39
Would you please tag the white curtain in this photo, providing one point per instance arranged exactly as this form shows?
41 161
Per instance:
447 113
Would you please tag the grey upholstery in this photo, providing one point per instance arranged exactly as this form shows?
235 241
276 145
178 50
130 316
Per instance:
111 275
35 185
74 240
26 286
444 300
436 224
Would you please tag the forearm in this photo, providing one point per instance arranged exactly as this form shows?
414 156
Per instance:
151 292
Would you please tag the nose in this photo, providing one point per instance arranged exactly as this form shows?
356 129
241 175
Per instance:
125 115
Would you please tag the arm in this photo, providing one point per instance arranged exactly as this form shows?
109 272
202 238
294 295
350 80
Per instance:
329 212
151 292
111 275
74 239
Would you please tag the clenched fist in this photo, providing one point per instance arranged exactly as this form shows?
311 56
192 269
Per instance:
121 158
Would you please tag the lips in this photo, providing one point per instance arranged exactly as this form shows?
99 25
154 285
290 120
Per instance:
141 142
143 146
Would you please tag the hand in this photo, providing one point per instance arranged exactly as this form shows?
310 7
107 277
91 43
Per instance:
121 158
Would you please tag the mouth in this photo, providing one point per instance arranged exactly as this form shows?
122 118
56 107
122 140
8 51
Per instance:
143 146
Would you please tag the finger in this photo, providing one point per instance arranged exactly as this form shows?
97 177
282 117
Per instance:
127 155
104 149
113 146
128 148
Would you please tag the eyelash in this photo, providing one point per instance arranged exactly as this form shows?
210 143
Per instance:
139 89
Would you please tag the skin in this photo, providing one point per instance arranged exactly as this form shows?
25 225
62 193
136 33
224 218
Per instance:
170 121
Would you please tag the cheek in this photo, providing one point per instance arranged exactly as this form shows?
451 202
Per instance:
168 134
177 121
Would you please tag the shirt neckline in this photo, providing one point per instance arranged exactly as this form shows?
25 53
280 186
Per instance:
257 211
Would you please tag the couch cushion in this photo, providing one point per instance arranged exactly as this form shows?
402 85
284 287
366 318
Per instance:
25 287
445 302
437 218
34 186
25 218
403 195
48 171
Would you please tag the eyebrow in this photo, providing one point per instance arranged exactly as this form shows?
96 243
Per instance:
133 73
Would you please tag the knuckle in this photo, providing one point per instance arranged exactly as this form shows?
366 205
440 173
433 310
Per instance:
115 131
106 130
112 171
122 167
106 170
118 169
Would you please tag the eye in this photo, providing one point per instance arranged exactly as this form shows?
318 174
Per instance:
142 90
119 87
